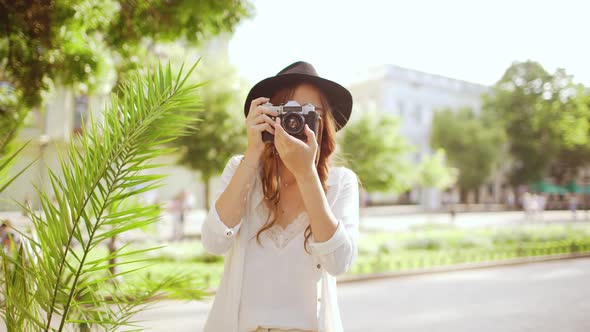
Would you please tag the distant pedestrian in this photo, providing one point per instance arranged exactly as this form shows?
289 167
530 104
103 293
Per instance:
530 204
573 204
541 204
450 202
177 216
182 203
8 236
510 199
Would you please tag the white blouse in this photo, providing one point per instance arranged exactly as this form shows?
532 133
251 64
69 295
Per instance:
280 280
255 277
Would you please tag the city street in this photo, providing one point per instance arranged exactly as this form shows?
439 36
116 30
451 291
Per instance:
439 153
549 296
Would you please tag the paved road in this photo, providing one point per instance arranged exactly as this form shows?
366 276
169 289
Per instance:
539 297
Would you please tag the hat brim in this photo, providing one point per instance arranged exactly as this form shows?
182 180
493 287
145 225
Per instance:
339 97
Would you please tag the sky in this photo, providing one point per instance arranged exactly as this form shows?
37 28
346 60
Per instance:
472 40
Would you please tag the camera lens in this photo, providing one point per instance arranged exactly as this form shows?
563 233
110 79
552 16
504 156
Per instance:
293 123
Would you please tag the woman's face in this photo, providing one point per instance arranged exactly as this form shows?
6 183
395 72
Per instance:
307 93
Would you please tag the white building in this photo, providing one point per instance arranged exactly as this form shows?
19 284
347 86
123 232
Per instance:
414 97
51 133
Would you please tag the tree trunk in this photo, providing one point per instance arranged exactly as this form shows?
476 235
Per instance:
112 246
207 190
463 196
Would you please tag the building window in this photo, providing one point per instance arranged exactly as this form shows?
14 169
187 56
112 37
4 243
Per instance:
418 114
400 108
80 112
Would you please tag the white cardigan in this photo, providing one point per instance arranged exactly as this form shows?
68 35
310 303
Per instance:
334 256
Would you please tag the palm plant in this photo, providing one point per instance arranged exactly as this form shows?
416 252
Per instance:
56 282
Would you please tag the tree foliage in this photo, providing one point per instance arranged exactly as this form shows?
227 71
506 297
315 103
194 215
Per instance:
434 171
12 117
75 42
573 134
473 146
545 118
221 132
374 149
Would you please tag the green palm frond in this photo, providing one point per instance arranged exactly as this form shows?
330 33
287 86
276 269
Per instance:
6 162
10 124
102 173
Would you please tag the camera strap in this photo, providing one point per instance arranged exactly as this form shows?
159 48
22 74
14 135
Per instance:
319 140
275 197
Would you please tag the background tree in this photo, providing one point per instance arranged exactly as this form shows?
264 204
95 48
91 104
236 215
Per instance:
434 171
12 117
76 42
573 134
374 149
540 115
221 132
473 146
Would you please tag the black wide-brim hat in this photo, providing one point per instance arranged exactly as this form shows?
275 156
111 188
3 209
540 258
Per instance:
338 96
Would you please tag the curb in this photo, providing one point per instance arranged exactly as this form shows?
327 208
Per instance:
451 268
460 267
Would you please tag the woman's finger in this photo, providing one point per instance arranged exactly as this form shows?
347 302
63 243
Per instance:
261 110
255 110
268 110
264 126
258 101
262 118
311 140
268 119
279 133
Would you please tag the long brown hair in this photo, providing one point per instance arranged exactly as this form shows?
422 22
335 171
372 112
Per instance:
269 171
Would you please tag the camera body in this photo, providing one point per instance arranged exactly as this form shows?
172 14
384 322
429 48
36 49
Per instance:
294 117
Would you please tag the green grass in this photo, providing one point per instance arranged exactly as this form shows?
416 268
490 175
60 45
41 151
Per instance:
438 246
423 247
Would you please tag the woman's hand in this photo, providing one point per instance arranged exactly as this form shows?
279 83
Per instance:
298 156
257 121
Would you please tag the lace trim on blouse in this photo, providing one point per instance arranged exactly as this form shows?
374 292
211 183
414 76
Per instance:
281 237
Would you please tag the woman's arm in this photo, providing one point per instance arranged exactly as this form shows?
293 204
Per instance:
224 219
334 230
231 204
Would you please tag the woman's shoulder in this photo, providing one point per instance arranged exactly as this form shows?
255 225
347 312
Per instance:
339 174
235 159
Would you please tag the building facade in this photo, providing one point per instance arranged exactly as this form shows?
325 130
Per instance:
414 97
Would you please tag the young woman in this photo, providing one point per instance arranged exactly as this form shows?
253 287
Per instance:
285 220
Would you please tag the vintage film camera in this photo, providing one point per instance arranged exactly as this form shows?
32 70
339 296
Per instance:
294 117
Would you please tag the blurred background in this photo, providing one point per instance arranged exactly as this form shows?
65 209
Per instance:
470 135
